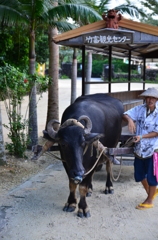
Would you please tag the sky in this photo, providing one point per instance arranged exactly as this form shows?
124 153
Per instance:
115 3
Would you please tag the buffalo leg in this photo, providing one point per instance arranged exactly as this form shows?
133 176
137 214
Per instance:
109 185
83 210
90 189
89 184
72 201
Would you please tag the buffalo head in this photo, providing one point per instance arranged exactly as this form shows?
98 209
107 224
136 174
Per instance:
73 137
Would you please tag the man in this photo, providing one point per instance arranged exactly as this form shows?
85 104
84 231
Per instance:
143 121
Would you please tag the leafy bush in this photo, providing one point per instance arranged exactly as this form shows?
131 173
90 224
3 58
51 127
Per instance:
64 77
97 66
14 85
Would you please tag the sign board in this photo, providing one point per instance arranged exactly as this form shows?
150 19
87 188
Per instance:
107 37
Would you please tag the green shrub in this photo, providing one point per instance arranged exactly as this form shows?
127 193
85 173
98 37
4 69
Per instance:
97 66
14 85
64 77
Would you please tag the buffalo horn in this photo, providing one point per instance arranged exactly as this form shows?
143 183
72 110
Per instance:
52 133
88 122
71 121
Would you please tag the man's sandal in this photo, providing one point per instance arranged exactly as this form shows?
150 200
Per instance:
143 206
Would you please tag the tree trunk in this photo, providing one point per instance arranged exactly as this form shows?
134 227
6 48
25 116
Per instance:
88 72
74 77
2 151
33 126
53 98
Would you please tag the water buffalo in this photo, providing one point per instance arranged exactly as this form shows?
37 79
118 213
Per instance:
89 118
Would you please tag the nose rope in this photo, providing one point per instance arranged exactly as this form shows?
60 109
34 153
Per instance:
95 162
111 170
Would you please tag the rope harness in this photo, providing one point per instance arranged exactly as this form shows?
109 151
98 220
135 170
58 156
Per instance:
95 162
128 143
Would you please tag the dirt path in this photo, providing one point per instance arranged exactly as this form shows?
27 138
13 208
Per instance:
33 211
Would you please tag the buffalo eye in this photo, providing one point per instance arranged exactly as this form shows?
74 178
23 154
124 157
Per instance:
83 142
63 144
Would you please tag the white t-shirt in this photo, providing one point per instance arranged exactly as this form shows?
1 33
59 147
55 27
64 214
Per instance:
144 125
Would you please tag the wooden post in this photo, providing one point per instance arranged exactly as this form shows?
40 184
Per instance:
129 71
144 71
83 70
110 66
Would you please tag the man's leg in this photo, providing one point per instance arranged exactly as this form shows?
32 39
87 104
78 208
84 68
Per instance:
140 166
148 203
149 199
145 185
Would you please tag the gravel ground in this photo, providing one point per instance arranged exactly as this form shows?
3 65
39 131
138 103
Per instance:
33 209
33 193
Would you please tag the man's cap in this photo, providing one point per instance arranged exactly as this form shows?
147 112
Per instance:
150 92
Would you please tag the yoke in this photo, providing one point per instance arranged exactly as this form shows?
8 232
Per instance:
125 147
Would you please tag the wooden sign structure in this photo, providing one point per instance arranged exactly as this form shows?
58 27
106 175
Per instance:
114 36
108 36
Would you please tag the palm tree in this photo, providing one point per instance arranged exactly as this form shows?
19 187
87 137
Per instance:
78 13
88 71
35 13
29 13
74 76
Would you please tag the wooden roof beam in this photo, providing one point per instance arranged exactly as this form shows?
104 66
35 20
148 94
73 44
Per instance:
124 23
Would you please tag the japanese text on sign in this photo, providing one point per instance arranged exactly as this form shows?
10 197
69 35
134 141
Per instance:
106 39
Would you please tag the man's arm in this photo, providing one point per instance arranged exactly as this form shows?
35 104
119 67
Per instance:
148 135
131 124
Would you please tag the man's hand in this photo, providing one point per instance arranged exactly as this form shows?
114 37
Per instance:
137 138
131 126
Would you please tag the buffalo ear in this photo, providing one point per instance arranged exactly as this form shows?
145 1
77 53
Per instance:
92 137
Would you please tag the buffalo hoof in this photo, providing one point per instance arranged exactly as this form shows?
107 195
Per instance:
69 208
34 157
109 191
106 191
89 193
82 214
87 214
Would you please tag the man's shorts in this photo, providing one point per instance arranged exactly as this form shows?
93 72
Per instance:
143 168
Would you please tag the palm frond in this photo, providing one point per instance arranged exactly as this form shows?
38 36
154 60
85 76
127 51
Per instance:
98 6
24 10
151 5
11 16
63 26
76 11
131 10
